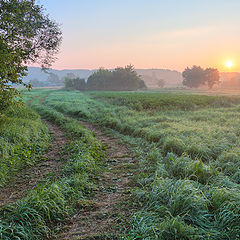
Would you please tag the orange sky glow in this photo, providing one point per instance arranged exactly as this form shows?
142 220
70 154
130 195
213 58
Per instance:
148 34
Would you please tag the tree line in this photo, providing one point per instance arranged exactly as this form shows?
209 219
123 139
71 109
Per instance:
120 79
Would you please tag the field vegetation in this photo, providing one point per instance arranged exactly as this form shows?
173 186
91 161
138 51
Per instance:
188 149
51 201
180 179
23 140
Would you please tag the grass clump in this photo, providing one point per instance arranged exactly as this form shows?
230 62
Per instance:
23 138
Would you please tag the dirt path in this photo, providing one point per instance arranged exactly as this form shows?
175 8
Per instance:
28 178
100 220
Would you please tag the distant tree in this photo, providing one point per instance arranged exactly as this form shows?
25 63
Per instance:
99 80
126 79
196 76
212 77
161 83
120 79
75 83
68 83
27 35
79 84
67 80
193 77
54 80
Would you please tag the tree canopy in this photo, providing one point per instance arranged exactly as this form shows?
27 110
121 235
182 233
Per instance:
120 79
27 35
196 76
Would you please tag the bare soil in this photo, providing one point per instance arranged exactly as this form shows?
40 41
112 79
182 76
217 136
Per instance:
102 216
27 179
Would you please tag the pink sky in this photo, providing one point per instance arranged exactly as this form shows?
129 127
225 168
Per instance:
147 34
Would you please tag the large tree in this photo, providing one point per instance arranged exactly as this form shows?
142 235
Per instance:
27 35
196 76
193 77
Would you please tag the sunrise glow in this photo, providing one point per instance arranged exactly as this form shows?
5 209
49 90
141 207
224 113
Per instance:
229 64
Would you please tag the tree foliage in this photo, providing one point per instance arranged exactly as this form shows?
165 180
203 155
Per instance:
196 76
212 77
120 79
75 83
125 79
100 80
27 35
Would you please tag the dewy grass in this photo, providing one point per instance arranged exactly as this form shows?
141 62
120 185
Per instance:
188 151
35 216
154 101
188 181
23 138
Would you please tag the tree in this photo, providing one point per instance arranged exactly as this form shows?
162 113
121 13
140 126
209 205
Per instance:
27 35
193 77
68 83
212 77
120 79
196 76
75 83
79 84
100 80
126 79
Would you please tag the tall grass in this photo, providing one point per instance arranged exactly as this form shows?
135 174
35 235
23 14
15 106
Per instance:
23 138
188 150
52 202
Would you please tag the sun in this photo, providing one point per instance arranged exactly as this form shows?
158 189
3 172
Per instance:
229 64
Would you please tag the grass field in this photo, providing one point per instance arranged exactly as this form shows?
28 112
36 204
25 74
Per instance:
52 201
187 147
23 139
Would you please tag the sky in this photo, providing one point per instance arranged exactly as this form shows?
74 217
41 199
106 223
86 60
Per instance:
166 34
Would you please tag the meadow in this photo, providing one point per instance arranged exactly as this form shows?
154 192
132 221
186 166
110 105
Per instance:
42 212
188 185
23 139
186 146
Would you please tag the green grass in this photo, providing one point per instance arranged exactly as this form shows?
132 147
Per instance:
188 149
23 138
52 202
155 101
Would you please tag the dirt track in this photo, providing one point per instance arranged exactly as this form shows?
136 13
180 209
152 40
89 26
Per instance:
101 218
